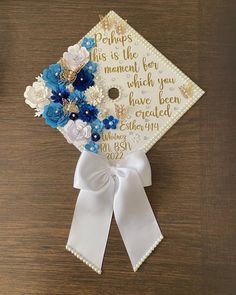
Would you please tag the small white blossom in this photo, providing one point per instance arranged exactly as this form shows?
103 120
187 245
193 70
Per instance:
94 95
39 78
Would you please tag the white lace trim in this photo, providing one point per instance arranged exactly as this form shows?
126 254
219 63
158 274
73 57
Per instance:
136 267
82 258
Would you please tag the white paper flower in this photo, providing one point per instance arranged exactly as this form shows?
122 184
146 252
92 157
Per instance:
39 78
37 96
77 132
75 56
94 95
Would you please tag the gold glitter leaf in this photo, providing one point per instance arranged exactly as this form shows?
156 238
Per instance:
121 111
187 90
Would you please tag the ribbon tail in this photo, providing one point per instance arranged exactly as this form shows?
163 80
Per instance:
135 219
90 225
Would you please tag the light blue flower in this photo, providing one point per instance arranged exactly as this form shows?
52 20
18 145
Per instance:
97 126
78 97
88 43
91 67
54 115
92 147
51 76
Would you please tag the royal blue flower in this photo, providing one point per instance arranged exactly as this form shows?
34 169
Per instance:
74 116
61 93
91 67
97 126
51 76
88 43
54 115
83 80
92 147
88 112
110 122
78 97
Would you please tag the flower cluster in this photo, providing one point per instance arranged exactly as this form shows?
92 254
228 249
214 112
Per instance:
66 96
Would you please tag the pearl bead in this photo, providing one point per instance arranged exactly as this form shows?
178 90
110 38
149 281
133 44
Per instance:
110 123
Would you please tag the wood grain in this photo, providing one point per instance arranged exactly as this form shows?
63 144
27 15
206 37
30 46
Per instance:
193 191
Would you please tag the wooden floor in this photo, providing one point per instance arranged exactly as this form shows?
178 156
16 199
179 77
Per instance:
194 179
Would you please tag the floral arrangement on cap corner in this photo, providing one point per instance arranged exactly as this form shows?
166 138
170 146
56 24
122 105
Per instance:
66 96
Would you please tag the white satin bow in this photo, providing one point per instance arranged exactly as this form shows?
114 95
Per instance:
106 188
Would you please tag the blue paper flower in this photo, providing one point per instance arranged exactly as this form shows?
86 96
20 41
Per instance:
78 97
92 147
88 43
110 122
74 116
88 112
51 76
83 80
61 93
97 126
95 136
54 115
91 67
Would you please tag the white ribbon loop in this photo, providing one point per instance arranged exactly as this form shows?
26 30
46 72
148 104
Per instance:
105 188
